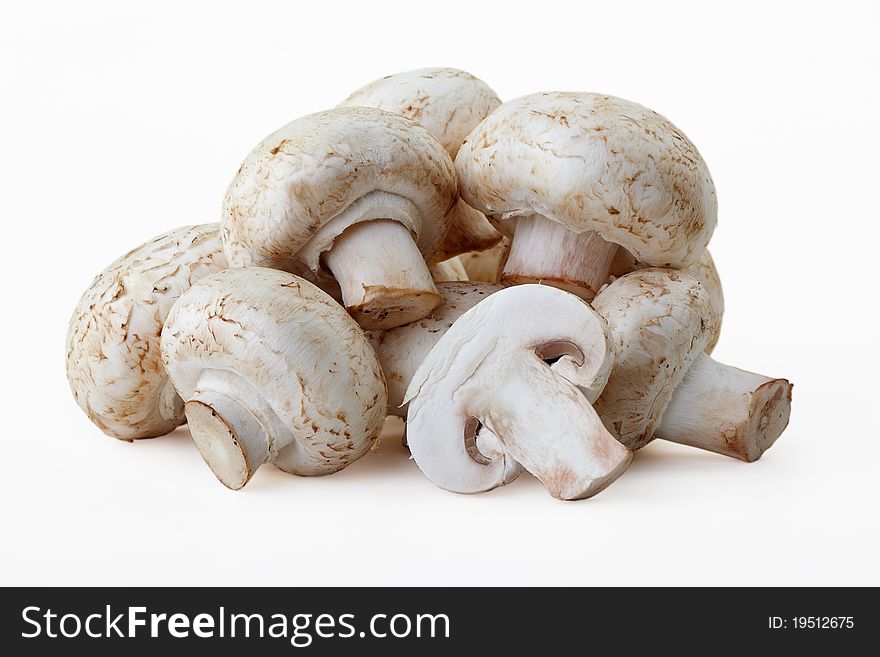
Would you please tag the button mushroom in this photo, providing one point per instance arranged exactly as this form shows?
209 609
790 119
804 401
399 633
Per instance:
703 270
357 191
583 173
484 402
664 384
272 370
448 103
114 364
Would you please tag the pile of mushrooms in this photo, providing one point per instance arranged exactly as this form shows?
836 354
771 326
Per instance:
525 283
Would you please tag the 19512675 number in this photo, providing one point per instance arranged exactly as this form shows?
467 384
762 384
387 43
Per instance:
811 623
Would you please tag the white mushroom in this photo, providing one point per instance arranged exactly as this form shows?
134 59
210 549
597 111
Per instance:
703 270
582 173
664 385
484 402
448 103
114 364
272 370
357 191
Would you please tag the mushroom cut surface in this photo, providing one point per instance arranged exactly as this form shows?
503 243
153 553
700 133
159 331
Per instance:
485 404
582 174
114 363
272 370
354 194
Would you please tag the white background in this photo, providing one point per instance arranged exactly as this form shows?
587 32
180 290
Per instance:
120 122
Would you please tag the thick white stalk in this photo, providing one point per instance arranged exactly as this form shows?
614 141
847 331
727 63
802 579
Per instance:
726 410
230 439
544 251
383 276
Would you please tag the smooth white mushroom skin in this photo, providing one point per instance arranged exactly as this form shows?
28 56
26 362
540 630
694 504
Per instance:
114 364
489 368
448 103
727 410
383 277
544 251
663 384
589 163
303 187
272 370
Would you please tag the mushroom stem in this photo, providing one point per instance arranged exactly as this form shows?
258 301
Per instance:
230 439
383 276
170 403
556 436
726 410
544 251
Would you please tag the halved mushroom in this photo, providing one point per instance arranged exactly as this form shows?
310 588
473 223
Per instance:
356 194
448 103
272 370
582 174
484 401
114 364
664 384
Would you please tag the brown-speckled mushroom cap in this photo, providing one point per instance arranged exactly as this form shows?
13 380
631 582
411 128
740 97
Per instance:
114 364
447 102
593 162
292 376
304 175
660 322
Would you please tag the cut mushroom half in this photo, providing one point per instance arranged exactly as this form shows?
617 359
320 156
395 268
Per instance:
114 363
663 383
272 370
582 174
484 403
354 194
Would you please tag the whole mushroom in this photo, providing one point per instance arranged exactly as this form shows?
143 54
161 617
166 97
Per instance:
114 364
664 384
448 103
703 270
272 370
356 194
583 174
485 403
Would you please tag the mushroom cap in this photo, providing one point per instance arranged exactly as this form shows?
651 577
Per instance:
593 163
703 270
279 342
114 364
349 164
490 368
660 320
447 102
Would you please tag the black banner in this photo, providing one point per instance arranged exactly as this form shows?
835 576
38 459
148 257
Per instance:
434 621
